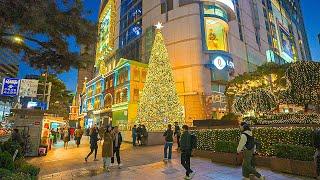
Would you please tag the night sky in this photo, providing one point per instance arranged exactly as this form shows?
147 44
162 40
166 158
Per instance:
310 10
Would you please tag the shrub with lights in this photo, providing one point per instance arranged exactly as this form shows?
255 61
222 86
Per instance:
258 101
267 136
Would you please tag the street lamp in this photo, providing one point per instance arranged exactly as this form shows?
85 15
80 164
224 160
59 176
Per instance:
17 39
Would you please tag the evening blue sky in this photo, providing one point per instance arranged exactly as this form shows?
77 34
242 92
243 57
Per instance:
310 10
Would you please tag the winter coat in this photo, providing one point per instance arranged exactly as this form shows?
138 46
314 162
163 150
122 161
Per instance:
78 133
185 141
168 134
94 139
119 140
107 147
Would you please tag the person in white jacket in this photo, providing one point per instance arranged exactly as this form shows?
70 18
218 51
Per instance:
247 146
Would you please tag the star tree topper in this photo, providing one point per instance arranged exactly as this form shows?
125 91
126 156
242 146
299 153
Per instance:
159 26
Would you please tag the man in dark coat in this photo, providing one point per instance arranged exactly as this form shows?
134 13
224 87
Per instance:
116 146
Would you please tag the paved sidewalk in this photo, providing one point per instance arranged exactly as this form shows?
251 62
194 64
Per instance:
139 163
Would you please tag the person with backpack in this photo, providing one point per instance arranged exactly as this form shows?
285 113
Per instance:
316 144
168 134
247 146
186 149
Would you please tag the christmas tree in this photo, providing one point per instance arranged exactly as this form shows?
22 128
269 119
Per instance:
159 103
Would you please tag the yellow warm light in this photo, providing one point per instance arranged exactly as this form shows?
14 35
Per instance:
18 39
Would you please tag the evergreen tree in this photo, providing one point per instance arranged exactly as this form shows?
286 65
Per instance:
159 103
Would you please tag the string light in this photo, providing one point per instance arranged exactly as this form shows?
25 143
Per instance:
258 101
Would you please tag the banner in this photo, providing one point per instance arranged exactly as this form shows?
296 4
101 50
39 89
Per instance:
28 88
10 87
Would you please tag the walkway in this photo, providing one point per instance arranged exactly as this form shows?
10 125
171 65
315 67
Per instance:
141 163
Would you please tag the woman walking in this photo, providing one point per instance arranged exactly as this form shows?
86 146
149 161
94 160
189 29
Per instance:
93 143
78 135
247 146
107 148
66 137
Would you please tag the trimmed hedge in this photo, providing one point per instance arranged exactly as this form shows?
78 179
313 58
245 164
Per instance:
226 146
267 136
301 153
6 161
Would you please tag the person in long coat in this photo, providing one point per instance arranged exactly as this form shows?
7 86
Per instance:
107 148
93 143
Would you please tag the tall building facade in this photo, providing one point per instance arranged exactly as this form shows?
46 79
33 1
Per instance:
9 63
9 67
209 42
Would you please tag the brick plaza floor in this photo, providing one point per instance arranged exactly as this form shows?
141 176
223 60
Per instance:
139 163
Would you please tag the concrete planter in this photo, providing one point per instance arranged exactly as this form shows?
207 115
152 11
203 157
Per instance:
227 158
302 168
220 157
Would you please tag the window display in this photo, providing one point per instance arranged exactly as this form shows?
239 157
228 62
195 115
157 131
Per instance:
216 34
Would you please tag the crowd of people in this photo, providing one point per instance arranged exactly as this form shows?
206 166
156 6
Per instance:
186 142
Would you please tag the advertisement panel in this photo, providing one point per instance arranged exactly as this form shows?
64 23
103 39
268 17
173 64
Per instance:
215 34
285 42
28 88
10 87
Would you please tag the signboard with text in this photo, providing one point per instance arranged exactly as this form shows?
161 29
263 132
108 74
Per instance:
10 87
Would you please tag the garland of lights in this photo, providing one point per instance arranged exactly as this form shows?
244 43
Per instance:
292 118
258 101
303 79
159 103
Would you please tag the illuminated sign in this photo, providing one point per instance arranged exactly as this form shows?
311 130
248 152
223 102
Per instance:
10 87
221 63
32 104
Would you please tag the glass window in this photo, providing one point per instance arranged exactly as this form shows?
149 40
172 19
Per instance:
215 11
143 76
136 74
131 22
165 8
135 95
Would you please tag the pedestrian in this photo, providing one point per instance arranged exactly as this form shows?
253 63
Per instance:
94 133
316 143
144 135
177 133
78 135
107 148
88 131
116 146
168 134
134 135
66 137
61 134
139 131
186 149
247 146
58 134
